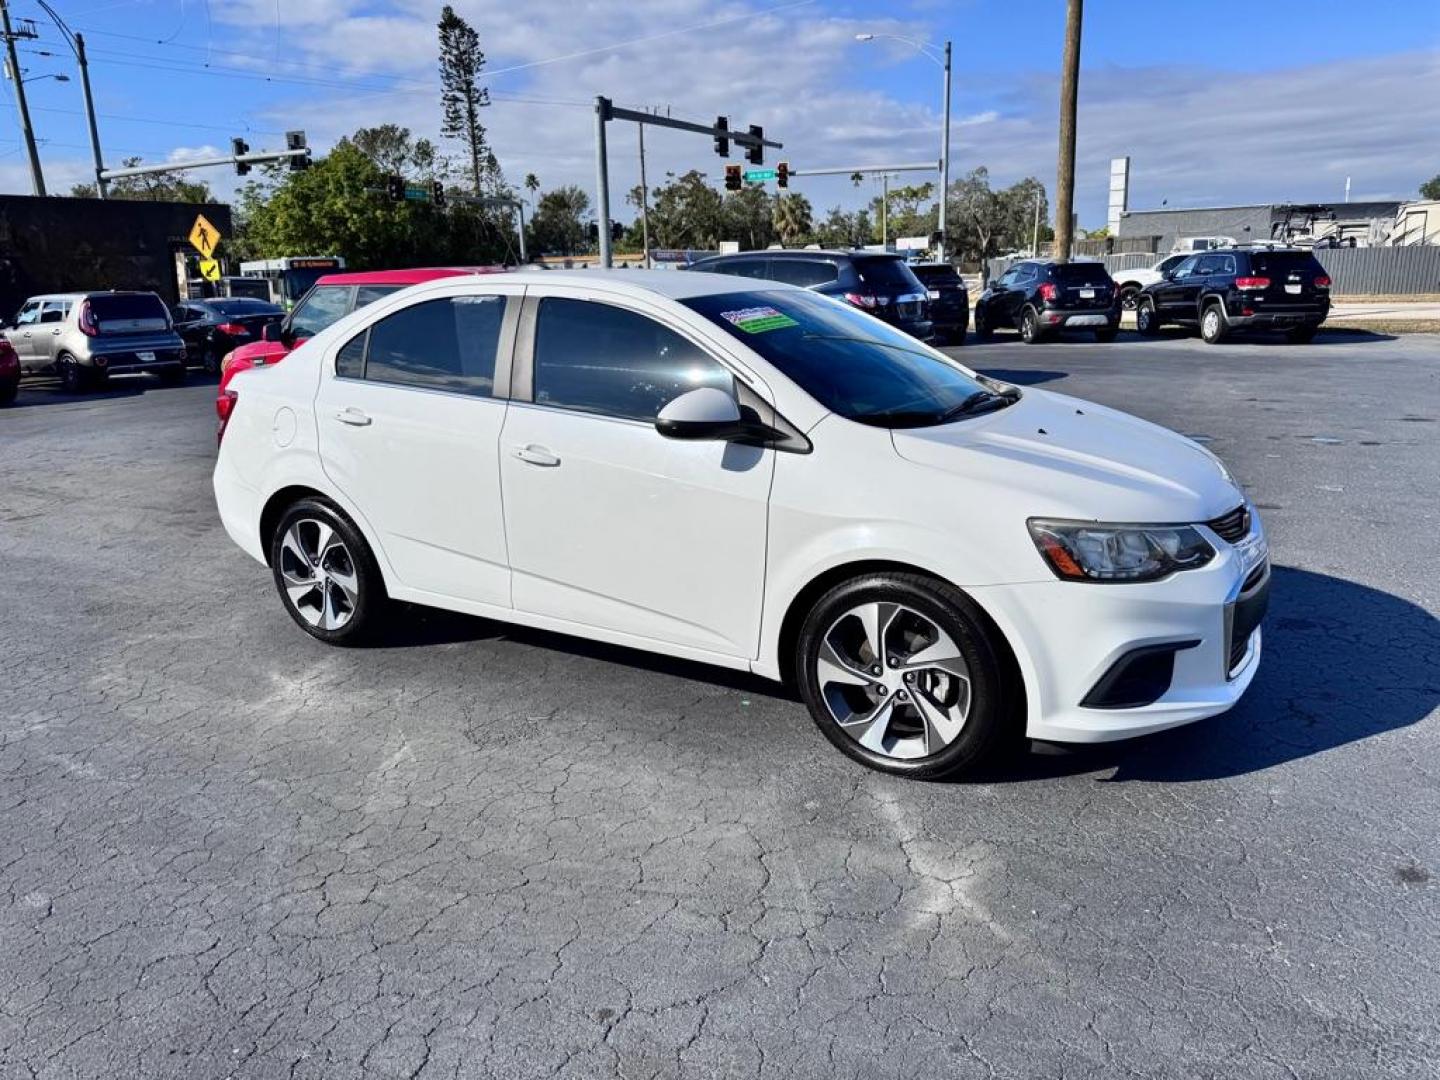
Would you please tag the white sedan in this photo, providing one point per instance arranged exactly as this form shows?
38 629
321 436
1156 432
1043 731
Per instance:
759 477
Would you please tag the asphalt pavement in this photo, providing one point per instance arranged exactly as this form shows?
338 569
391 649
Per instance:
227 850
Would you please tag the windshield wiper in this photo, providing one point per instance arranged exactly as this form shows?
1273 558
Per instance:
980 401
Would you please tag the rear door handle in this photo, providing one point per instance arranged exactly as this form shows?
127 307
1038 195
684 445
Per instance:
537 455
352 416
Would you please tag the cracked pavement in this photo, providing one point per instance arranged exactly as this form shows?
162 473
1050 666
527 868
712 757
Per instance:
227 850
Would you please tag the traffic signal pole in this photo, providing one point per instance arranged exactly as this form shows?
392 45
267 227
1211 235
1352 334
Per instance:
37 178
753 140
201 163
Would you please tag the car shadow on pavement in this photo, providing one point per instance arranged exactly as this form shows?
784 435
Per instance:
1021 376
36 392
1341 662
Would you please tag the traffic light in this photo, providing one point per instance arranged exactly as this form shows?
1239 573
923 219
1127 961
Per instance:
437 193
395 188
782 174
295 140
756 154
239 147
616 231
732 177
722 142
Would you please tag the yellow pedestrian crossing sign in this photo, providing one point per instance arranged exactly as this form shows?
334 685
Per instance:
210 269
204 237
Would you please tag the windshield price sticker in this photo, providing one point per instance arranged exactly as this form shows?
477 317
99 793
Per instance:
757 320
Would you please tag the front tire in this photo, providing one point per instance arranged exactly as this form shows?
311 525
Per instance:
326 574
1212 325
900 673
1129 297
1147 319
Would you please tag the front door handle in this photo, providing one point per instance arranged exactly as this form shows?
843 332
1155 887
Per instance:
352 416
537 455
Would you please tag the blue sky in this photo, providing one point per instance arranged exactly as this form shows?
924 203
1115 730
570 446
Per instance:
1268 101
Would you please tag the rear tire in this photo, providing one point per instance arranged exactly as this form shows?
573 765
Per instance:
1212 325
948 705
326 574
210 361
1302 335
1030 331
73 379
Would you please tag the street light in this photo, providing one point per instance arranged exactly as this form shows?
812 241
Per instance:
57 78
77 46
934 53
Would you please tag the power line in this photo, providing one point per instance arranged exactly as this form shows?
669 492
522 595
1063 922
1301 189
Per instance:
229 129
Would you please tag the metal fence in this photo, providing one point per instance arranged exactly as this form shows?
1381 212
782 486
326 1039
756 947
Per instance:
1377 271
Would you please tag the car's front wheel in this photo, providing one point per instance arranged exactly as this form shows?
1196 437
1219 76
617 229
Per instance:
1129 297
982 325
899 672
326 574
1147 321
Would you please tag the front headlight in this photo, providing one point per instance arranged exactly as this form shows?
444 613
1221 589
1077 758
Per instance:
1091 551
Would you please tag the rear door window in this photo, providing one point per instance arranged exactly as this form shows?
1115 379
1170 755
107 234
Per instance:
889 276
447 344
54 311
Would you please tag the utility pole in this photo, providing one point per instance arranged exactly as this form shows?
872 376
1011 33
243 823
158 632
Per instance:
602 180
1035 235
77 46
644 199
1069 97
884 209
37 178
945 163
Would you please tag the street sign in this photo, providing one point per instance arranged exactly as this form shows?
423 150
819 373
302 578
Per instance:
417 193
204 237
753 175
209 269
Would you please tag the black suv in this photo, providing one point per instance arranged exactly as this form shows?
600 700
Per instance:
1040 298
949 301
873 281
1242 288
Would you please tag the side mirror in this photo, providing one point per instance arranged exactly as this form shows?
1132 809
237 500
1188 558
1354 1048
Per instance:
705 413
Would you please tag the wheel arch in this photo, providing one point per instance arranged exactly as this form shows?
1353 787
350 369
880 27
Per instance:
809 593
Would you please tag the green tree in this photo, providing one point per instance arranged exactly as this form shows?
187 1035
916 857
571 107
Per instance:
532 185
461 96
1431 188
984 222
559 224
156 187
748 217
792 218
394 150
686 213
910 211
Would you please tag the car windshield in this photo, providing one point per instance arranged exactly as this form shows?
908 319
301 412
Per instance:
1080 273
852 364
937 275
889 275
134 310
1276 263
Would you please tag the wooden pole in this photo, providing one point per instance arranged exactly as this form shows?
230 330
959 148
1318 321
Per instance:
1069 95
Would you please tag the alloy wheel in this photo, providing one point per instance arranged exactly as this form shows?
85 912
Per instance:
893 680
1212 324
319 573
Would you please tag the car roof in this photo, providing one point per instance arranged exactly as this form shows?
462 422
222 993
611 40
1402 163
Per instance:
88 295
416 276
798 253
667 283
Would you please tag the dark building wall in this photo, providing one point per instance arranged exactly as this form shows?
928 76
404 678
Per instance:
61 244
1206 221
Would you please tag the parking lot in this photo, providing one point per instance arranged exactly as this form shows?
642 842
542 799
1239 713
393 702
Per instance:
227 850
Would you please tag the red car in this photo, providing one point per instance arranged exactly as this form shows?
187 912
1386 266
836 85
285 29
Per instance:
9 371
332 297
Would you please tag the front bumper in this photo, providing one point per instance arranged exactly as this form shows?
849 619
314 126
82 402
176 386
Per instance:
1068 635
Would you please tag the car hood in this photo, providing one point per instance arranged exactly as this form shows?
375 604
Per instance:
1074 459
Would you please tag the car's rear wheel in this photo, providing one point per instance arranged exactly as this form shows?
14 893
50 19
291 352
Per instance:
210 360
1302 335
982 328
1212 325
326 574
72 376
1030 331
900 673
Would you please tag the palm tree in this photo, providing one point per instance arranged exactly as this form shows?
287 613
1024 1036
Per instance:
532 185
792 217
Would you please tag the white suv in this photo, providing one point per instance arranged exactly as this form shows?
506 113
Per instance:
759 477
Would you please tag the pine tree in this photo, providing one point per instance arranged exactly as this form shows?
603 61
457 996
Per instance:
461 62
